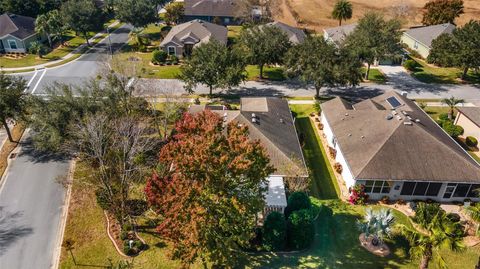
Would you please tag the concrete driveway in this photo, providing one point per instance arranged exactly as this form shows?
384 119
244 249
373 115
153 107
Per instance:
31 202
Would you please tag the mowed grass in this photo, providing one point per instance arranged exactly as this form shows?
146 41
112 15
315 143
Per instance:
375 75
442 75
269 73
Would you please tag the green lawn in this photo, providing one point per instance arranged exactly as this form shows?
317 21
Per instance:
375 75
442 75
435 111
269 73
233 34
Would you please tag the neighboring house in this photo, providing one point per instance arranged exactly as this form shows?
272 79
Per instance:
420 38
469 119
211 11
182 38
295 35
338 34
393 148
269 120
17 33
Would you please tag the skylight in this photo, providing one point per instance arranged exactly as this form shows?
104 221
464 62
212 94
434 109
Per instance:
393 102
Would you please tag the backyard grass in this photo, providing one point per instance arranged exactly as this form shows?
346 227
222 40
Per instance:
435 111
233 34
442 75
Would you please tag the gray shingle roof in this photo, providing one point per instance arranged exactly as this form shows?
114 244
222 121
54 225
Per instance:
472 113
338 34
274 128
377 148
198 30
427 34
220 8
16 25
295 35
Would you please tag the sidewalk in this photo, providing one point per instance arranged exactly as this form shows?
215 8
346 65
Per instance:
70 55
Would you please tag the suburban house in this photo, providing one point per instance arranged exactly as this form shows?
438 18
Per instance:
420 39
338 34
220 11
393 148
182 38
295 35
17 33
469 119
269 120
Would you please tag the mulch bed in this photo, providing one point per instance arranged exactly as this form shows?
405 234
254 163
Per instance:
381 250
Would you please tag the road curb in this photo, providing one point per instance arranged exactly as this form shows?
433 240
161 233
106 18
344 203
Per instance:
9 161
63 222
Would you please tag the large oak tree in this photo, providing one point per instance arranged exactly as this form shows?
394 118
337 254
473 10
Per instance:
139 13
442 11
12 100
208 189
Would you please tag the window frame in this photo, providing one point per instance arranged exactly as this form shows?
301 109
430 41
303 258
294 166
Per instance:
10 44
174 50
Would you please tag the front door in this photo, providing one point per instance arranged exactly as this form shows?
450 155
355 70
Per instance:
187 50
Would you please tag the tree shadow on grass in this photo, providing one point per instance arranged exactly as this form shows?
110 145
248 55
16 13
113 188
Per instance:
336 245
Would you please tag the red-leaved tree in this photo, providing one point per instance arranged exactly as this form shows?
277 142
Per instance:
208 189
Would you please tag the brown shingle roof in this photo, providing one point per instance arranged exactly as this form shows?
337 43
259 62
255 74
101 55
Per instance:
274 128
16 25
377 148
472 113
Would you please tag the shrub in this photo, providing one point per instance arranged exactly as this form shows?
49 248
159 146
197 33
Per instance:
410 65
297 201
173 59
274 232
333 152
443 117
127 227
358 195
159 56
123 235
102 199
452 129
136 207
471 141
300 229
338 168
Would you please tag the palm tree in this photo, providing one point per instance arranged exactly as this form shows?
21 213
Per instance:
137 37
442 233
42 26
451 103
36 48
378 224
474 213
342 11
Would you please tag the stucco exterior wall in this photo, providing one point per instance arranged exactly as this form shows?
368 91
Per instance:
470 128
423 50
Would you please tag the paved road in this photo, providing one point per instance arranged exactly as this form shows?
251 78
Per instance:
31 201
414 90
80 70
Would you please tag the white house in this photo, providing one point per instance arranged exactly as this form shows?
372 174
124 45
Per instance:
389 145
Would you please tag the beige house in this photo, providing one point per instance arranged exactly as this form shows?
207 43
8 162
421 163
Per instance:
469 119
183 38
420 38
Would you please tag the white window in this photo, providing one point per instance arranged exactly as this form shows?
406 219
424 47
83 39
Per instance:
377 186
227 20
172 51
13 44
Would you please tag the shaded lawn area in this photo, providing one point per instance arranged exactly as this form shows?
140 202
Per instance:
324 184
233 34
269 73
375 75
435 111
442 75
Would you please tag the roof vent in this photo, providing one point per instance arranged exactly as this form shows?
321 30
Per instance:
404 112
253 115
408 123
363 136
254 120
349 135
417 120
410 118
389 117
281 120
394 112
346 114
399 118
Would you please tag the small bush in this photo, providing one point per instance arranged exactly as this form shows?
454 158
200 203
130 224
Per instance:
410 65
102 199
298 200
173 59
358 195
333 152
452 129
443 117
159 57
127 227
471 141
123 235
274 232
300 229
338 168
